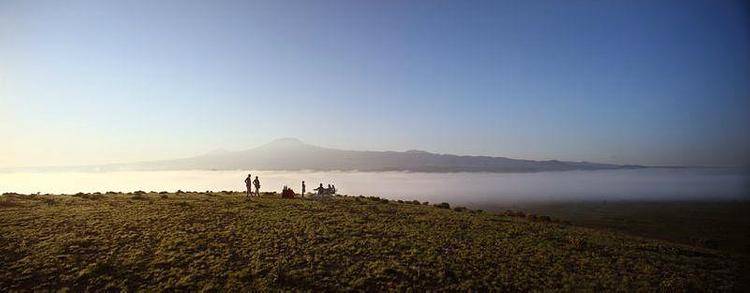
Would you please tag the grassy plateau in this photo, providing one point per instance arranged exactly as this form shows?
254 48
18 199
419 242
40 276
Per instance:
223 241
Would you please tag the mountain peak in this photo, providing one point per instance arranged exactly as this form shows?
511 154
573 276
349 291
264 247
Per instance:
287 141
417 152
216 152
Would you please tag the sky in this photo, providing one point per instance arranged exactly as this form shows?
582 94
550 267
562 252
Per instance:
632 82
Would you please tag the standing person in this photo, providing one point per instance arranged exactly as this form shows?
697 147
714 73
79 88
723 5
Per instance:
249 185
256 182
303 188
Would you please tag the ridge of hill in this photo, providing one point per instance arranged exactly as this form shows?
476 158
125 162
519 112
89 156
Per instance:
292 154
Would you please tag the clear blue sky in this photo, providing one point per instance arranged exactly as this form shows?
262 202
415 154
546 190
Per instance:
644 82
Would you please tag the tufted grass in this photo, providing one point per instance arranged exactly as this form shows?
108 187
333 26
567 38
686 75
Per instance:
224 241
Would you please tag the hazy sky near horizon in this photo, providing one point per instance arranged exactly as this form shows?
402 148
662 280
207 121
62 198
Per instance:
641 82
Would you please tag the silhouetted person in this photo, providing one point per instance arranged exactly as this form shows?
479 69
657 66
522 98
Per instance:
256 182
249 185
303 188
333 189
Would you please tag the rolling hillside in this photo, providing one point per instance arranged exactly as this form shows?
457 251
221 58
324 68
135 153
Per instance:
226 242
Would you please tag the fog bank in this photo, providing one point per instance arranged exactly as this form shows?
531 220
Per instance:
459 188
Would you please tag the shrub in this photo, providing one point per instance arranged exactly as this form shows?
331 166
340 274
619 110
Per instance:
183 204
5 203
179 191
164 196
576 242
426 203
93 196
531 217
383 200
459 209
512 213
545 219
416 202
48 201
139 192
399 201
139 196
443 205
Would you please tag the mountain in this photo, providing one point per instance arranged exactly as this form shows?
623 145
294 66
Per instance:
293 154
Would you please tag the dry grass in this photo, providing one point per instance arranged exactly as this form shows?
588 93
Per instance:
223 241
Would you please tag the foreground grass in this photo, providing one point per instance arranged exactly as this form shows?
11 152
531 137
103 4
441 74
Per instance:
223 241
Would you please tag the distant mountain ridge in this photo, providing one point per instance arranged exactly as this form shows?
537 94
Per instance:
292 154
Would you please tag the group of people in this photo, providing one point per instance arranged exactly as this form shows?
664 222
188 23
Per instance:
322 190
249 182
286 192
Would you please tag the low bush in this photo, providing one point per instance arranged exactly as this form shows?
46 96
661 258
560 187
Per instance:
512 213
460 209
443 205
183 204
5 203
91 196
139 196
576 242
